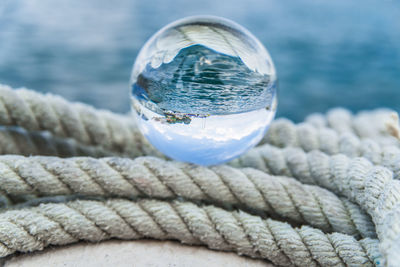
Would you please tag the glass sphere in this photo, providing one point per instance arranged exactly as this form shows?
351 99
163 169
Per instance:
204 90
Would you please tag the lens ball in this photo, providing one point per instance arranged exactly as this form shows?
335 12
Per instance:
203 90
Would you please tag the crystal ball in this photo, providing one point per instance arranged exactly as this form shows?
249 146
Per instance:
203 90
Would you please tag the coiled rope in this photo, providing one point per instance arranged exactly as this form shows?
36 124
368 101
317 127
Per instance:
17 140
151 177
36 112
366 124
59 224
284 133
372 187
118 134
76 129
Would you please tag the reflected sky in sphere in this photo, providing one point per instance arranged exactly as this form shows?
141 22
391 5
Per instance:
205 141
203 90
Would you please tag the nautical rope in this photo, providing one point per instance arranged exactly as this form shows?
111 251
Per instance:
284 133
67 126
16 140
36 112
35 228
372 187
373 124
151 177
118 134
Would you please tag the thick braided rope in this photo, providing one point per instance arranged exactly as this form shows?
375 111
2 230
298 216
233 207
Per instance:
16 140
23 119
58 224
284 133
151 177
372 124
372 187
118 134
88 126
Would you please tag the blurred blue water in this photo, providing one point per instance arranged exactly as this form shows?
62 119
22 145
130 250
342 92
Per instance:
339 53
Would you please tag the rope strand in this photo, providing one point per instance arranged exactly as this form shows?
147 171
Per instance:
151 177
35 228
366 124
372 187
36 112
118 134
52 126
284 133
16 140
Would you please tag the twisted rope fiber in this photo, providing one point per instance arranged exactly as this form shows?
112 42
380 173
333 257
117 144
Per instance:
151 177
58 224
284 133
118 134
373 124
36 112
372 187
16 140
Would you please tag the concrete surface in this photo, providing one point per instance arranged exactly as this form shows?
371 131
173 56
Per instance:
147 253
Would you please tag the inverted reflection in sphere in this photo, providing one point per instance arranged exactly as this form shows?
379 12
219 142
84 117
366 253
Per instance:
203 90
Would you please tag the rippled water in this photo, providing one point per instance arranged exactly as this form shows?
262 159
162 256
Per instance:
327 54
202 81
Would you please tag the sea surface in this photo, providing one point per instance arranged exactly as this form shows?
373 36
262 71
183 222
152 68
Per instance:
223 85
327 53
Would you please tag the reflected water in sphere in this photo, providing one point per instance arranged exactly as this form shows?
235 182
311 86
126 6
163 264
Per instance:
203 90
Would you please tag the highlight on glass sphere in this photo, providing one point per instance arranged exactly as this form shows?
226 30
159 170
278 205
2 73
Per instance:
204 90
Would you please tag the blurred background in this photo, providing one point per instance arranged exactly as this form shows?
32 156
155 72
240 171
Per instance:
327 54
